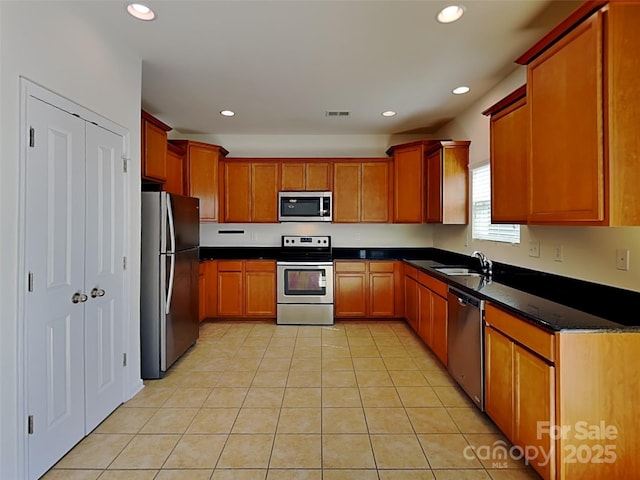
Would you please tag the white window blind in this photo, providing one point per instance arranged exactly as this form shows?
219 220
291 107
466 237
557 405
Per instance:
481 226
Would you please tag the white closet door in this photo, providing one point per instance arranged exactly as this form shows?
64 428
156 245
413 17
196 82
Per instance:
55 227
104 251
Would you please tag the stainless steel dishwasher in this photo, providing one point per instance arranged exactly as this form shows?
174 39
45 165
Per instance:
465 343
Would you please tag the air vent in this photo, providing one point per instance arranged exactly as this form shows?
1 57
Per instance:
337 113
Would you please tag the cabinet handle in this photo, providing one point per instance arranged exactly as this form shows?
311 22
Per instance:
79 298
97 292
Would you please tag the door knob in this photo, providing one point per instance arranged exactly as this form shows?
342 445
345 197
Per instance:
97 292
79 298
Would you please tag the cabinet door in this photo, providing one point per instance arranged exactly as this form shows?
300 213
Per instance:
318 176
175 179
455 183
260 288
237 188
264 192
533 403
434 187
293 177
425 318
509 156
154 154
439 316
566 170
408 199
230 293
411 302
211 286
350 294
499 380
202 289
381 294
347 185
202 181
375 192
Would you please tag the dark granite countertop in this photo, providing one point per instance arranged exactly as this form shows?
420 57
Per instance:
550 301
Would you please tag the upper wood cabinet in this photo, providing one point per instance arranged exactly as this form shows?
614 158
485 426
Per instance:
447 174
175 170
408 182
361 191
509 131
200 170
250 191
305 175
583 107
154 148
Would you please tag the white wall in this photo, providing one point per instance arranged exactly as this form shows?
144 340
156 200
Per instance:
64 54
589 252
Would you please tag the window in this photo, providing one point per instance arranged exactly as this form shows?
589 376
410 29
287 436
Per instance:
481 226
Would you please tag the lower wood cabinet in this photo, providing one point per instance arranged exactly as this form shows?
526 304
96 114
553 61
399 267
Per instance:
367 288
246 288
208 284
426 309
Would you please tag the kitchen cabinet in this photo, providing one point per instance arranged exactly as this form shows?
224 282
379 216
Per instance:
306 175
154 148
361 191
447 177
582 84
411 298
208 283
250 191
246 288
433 318
520 382
408 182
509 134
175 170
367 288
200 172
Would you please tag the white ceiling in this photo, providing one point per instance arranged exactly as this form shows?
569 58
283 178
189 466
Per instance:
280 65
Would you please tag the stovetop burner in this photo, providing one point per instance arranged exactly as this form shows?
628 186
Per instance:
297 248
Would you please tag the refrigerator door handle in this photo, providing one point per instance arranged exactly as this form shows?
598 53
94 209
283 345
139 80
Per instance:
172 230
172 272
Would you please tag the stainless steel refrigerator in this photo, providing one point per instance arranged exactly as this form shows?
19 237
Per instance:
169 280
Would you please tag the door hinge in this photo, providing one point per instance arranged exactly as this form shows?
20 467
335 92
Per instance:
32 137
30 282
124 359
125 164
124 263
30 424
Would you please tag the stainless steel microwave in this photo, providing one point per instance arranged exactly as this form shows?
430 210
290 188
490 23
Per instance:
305 206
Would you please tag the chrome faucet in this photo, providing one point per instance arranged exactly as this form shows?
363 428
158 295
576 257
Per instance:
486 265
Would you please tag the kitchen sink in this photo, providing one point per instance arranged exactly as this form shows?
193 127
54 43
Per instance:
458 271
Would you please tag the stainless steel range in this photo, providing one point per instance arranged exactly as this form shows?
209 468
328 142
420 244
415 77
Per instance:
305 281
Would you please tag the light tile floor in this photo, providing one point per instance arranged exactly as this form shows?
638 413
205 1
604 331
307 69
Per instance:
255 400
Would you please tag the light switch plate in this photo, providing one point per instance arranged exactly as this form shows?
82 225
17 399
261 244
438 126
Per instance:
534 248
622 259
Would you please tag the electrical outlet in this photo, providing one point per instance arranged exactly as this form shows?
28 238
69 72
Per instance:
557 253
534 248
622 259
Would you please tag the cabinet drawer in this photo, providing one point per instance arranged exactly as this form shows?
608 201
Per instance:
410 271
534 338
260 266
381 267
341 266
230 265
433 284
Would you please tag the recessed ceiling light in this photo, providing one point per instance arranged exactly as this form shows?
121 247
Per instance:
450 14
389 113
460 90
227 113
140 11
